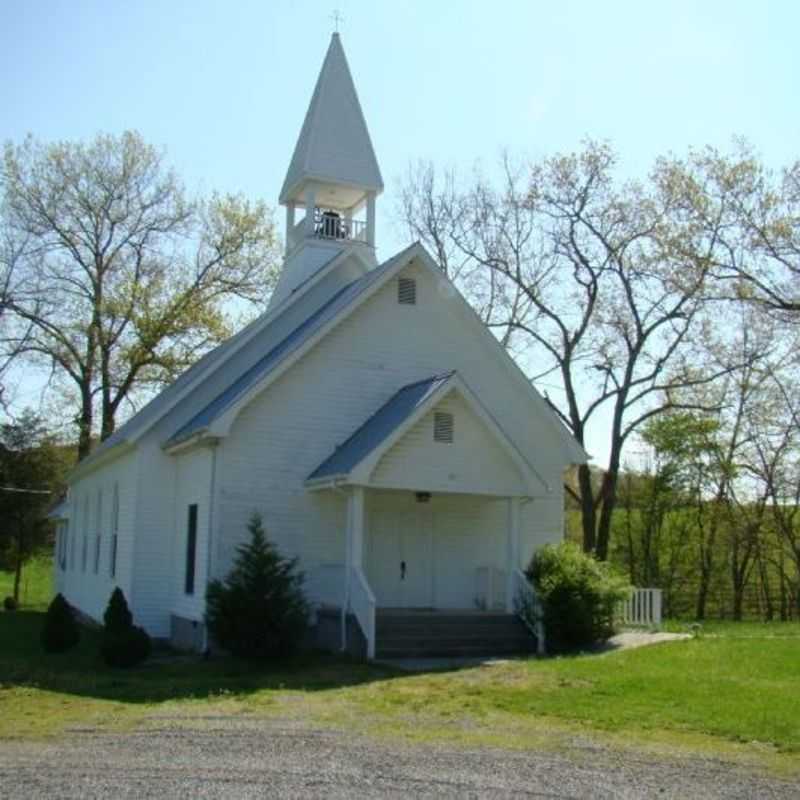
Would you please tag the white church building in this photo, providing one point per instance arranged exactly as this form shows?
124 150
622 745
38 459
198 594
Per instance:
386 438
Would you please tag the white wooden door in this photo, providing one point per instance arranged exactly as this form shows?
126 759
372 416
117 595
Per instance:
383 559
400 558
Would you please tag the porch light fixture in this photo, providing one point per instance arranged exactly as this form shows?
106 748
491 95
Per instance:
423 497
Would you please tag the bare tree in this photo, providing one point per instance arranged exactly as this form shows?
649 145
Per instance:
600 286
123 279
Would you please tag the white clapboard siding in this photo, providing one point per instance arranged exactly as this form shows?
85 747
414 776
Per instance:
87 590
473 462
193 479
288 430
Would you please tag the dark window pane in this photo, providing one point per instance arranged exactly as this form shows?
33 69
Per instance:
191 548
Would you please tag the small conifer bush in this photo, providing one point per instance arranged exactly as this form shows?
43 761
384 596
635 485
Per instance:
578 593
259 611
117 616
123 644
60 631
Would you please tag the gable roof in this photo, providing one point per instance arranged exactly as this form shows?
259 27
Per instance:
378 427
171 395
355 460
282 350
216 418
334 144
303 337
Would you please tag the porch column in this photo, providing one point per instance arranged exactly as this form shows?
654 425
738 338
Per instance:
512 549
355 526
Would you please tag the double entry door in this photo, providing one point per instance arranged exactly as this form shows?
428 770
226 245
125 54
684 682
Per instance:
400 556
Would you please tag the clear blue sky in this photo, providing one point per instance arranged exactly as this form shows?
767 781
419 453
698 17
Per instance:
223 87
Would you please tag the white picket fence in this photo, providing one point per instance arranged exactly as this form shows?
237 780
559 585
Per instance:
643 608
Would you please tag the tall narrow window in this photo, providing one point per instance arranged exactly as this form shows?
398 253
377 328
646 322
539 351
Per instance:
191 548
114 530
85 543
64 544
98 530
72 540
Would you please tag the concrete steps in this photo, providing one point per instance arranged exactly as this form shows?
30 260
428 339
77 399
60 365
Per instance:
420 634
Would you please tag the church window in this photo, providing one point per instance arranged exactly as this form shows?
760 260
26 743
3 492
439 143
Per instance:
191 549
98 528
114 529
85 541
407 291
442 427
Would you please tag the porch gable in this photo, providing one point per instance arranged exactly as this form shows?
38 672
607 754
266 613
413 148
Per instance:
433 435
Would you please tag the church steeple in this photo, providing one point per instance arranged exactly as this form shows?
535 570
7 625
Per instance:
333 176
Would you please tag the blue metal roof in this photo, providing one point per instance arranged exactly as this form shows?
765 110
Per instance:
379 427
283 349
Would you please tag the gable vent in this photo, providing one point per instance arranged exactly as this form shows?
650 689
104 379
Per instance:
442 427
407 291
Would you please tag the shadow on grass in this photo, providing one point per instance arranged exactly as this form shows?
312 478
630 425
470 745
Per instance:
81 672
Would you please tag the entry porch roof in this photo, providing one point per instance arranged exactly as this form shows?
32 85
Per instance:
354 461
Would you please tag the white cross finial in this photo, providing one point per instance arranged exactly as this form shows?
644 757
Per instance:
337 18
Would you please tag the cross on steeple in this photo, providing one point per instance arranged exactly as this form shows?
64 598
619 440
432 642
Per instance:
337 18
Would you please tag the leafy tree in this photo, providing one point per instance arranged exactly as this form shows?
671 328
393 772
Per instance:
121 279
33 469
259 611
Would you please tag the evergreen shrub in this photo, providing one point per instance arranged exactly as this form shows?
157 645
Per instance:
123 643
60 631
10 604
259 611
579 596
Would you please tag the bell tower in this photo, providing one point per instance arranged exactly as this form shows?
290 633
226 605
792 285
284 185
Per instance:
333 179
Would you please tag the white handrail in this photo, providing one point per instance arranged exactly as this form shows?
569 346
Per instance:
642 608
362 604
529 609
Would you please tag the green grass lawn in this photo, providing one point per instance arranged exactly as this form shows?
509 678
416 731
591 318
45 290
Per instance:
36 586
733 692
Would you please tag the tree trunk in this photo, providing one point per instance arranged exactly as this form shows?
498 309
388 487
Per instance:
609 491
20 558
738 601
85 421
702 597
587 507
766 590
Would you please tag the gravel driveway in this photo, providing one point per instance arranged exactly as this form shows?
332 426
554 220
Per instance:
232 757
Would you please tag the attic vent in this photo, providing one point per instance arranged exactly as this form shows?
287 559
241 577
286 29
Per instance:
442 427
407 291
